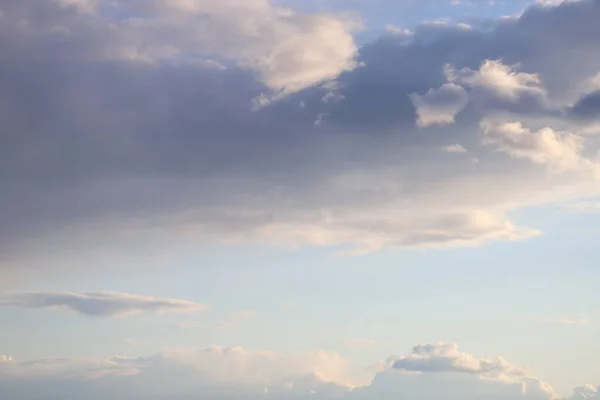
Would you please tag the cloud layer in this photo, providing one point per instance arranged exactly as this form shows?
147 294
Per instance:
130 116
103 304
430 372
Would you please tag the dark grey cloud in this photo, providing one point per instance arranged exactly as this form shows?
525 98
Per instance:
113 125
102 304
587 107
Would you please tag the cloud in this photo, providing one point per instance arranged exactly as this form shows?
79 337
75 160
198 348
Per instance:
587 107
441 105
454 148
445 357
139 119
584 207
102 304
395 30
497 80
560 150
215 372
288 50
587 392
434 371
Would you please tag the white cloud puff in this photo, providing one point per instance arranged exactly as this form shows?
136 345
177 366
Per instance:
288 50
560 150
439 106
498 80
445 357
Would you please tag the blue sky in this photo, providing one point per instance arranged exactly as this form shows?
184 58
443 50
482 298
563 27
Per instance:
378 14
388 191
501 298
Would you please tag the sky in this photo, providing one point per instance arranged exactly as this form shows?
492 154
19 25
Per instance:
299 199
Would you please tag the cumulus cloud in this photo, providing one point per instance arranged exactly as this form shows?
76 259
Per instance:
103 304
132 116
4 358
445 357
215 372
587 392
498 80
441 105
288 50
560 150
429 372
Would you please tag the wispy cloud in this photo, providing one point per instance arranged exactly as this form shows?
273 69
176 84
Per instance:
454 148
584 207
101 304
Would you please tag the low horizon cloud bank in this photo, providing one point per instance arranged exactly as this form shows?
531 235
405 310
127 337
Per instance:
430 371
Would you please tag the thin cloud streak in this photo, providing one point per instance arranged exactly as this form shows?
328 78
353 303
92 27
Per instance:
101 304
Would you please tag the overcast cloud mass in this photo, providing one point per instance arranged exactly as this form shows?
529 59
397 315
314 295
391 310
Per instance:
246 121
133 115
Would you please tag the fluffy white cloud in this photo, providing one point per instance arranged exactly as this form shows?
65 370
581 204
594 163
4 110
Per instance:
103 304
441 105
587 392
288 50
214 372
498 80
560 150
432 372
445 357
